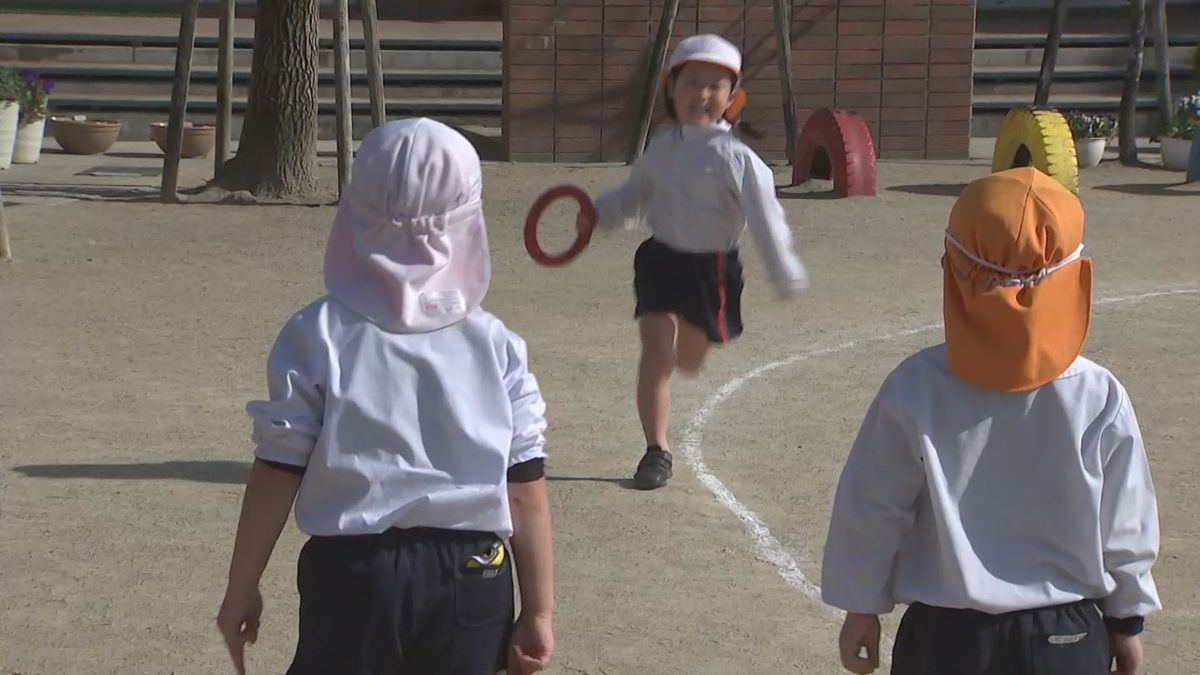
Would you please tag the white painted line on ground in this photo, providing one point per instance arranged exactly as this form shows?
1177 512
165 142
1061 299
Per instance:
767 546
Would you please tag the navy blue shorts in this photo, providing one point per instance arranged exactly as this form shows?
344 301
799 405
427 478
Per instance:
705 289
1066 639
405 602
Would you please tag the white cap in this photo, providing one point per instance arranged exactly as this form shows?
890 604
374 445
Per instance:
708 49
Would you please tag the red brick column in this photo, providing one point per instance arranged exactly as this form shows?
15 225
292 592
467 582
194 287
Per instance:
905 79
626 56
575 69
529 80
951 71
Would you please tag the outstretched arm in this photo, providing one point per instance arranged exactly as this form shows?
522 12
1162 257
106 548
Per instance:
626 204
767 222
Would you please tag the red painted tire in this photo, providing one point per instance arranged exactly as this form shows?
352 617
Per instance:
843 141
582 237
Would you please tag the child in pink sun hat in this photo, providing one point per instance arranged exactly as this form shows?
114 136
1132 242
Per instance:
406 427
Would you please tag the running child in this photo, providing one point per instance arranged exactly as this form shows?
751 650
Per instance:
405 425
999 486
697 188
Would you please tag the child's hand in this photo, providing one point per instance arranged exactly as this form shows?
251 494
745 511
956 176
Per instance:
786 289
860 631
238 622
789 291
1126 650
531 646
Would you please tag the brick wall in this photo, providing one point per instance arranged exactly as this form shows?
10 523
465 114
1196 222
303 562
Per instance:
574 71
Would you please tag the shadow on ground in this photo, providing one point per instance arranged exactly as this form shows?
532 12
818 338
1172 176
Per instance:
125 193
1154 189
217 471
932 189
623 483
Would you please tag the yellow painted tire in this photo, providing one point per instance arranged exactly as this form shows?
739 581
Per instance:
1038 138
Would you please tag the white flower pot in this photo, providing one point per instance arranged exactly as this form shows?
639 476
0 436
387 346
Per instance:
1174 153
28 147
1089 151
10 112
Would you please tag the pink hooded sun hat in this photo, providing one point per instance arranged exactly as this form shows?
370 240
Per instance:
408 248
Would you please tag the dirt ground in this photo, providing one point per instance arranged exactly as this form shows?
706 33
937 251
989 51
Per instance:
134 333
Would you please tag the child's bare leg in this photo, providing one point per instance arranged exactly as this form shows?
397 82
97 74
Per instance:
691 346
654 376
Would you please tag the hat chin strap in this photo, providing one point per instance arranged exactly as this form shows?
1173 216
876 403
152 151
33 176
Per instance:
1011 276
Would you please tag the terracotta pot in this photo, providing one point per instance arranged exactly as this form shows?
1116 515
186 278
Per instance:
81 136
198 139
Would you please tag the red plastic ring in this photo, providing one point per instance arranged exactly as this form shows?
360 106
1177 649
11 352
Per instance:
582 237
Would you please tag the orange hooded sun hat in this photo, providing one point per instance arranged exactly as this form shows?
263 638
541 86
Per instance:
1018 293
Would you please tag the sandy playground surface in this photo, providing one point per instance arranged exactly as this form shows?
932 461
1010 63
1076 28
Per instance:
134 333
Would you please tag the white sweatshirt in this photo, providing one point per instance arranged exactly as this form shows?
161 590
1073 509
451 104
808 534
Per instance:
399 430
961 497
697 189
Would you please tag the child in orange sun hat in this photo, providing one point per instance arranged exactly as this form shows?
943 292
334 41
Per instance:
999 485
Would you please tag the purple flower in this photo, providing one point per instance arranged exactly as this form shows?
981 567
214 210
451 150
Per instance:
47 86
29 75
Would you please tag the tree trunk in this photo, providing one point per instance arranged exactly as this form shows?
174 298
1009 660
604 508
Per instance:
1050 53
1127 120
1162 63
277 150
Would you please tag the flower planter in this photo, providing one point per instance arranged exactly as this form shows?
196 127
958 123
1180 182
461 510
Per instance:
28 148
1174 152
10 112
198 139
1089 151
81 136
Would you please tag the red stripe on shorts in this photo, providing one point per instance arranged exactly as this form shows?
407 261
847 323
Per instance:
721 330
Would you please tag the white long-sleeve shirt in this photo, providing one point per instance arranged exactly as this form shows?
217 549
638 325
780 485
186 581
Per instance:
698 189
960 497
399 430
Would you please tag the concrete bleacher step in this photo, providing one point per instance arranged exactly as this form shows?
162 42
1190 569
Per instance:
401 58
138 112
441 43
130 77
135 125
1089 73
1072 80
74 80
1075 56
989 111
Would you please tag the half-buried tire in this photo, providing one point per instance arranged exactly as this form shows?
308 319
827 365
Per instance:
1037 138
836 144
